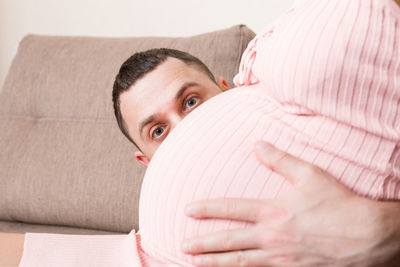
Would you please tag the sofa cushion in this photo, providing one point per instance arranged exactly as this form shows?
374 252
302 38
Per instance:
63 160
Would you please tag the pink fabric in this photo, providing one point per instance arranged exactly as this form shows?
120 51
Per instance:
50 250
322 82
43 250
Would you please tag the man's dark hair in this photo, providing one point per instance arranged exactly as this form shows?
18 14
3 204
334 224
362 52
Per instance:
138 65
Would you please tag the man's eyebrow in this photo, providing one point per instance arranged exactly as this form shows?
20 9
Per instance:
183 89
146 121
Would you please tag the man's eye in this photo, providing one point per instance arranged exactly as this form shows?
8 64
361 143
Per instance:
191 102
157 132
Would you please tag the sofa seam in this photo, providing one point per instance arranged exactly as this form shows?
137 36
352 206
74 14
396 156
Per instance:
44 119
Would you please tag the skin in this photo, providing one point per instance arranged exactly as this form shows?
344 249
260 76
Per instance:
318 223
11 248
159 89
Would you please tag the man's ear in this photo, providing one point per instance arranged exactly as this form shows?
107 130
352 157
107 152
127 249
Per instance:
223 84
139 156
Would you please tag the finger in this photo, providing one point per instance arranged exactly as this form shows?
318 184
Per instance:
250 258
238 239
250 210
293 169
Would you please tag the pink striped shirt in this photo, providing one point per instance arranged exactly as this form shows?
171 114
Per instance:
323 83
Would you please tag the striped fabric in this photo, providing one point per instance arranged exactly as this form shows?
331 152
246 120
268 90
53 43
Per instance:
322 82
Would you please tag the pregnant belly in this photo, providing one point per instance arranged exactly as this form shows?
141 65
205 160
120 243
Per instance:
210 154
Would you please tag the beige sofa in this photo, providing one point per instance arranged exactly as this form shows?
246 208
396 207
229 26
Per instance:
64 165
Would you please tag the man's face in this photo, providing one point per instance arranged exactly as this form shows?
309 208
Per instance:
156 103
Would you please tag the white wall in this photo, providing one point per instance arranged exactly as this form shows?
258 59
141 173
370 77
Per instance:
126 18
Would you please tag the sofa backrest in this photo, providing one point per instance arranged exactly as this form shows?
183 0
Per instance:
63 160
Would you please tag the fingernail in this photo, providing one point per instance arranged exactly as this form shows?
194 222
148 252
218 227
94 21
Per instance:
199 261
190 210
262 146
187 246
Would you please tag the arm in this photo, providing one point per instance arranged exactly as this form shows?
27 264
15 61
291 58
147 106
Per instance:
11 248
317 223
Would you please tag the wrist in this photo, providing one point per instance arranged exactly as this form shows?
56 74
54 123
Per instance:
389 231
377 224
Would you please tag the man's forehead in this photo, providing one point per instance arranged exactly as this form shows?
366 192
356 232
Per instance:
168 70
157 84
162 82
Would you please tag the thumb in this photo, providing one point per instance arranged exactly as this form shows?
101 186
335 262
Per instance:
291 168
